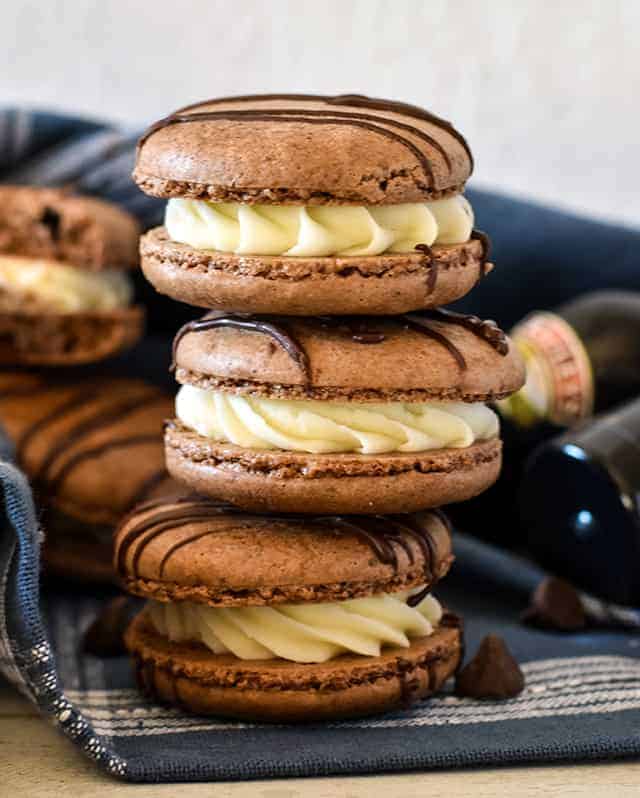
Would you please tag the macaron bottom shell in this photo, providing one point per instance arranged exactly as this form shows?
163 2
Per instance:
68 339
384 284
190 676
296 482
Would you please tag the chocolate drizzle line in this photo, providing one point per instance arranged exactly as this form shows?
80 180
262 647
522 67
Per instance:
421 325
485 329
309 118
108 416
432 264
384 535
96 451
372 122
483 238
188 510
354 100
105 415
249 323
356 327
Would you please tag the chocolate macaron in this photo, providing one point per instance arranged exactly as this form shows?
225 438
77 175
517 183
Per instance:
91 449
304 205
285 618
339 415
65 296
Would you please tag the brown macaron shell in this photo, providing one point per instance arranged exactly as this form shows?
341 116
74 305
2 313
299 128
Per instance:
369 360
92 447
383 284
193 550
191 676
57 225
297 482
303 149
68 339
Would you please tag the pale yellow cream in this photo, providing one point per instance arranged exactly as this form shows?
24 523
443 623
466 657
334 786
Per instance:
54 287
322 427
317 230
300 632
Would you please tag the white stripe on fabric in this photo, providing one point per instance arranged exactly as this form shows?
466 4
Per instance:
555 688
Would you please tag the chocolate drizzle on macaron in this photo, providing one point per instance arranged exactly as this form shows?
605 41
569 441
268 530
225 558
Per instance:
361 329
328 116
384 535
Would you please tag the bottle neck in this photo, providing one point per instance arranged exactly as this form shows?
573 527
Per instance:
559 386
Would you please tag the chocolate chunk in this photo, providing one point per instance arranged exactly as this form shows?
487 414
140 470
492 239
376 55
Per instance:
105 636
492 673
555 604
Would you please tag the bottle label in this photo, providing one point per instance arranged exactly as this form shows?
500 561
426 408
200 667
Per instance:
559 386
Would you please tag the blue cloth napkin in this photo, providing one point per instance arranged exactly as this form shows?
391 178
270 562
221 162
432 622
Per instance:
582 700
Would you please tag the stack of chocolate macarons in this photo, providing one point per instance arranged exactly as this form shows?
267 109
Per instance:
328 406
90 445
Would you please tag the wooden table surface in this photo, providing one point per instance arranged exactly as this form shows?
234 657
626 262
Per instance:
37 762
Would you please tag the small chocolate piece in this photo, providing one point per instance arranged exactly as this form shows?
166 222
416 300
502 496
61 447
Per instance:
492 673
555 604
105 636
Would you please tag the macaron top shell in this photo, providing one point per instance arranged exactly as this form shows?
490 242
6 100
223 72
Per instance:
308 149
434 355
195 549
54 224
91 448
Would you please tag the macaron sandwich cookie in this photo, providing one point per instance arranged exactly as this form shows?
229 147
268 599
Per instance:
91 448
335 415
286 618
327 407
302 205
65 296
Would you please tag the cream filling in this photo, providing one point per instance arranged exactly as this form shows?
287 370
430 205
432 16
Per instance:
317 230
55 287
321 427
300 632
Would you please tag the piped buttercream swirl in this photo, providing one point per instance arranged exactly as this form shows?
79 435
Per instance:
317 427
300 632
53 287
317 230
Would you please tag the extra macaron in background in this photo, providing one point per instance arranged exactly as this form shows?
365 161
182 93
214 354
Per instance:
91 448
339 415
286 618
65 295
302 205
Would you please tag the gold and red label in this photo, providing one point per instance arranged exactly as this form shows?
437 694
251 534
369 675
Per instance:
559 384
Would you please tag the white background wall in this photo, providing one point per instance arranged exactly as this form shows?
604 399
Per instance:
547 91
